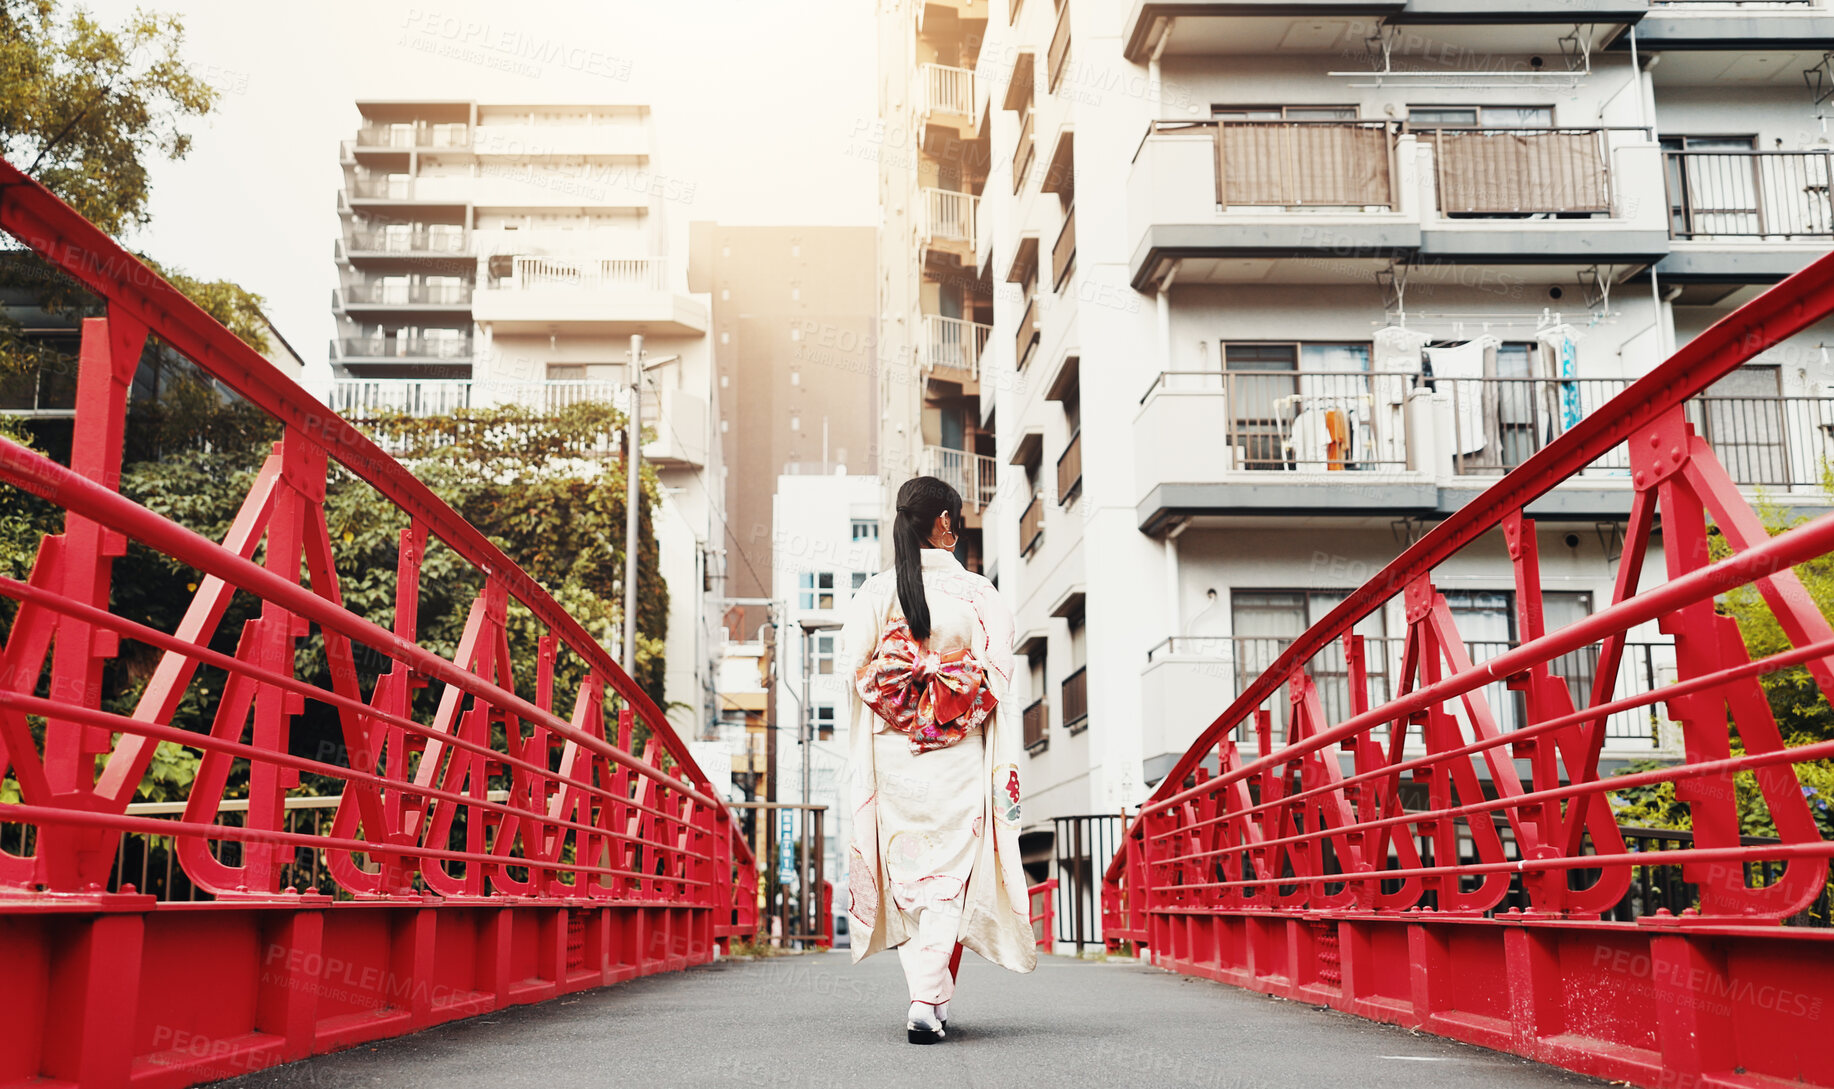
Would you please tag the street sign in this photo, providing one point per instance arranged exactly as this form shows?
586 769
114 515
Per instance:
786 847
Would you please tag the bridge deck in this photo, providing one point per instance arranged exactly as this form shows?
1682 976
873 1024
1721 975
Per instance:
817 1022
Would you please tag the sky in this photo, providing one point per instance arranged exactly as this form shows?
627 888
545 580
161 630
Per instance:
756 112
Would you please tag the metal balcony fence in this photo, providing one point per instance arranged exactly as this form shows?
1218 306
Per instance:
1076 701
1780 195
1063 251
1301 164
1037 724
948 90
972 475
384 293
1240 659
607 273
1070 470
365 398
1307 421
390 345
1521 171
953 346
949 216
1026 336
417 134
1499 423
439 238
1031 525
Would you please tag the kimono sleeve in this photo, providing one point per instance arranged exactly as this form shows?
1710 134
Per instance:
860 631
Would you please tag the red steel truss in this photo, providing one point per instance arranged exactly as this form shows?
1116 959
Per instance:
603 858
1296 870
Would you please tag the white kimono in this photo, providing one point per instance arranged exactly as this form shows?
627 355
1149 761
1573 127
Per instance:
938 833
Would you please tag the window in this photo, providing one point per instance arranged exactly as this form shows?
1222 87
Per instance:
823 646
865 529
1266 622
1283 113
1741 415
824 723
1713 187
859 580
1299 406
1480 117
817 589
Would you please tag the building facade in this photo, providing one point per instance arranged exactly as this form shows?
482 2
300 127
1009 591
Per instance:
507 254
828 545
935 296
793 330
1333 274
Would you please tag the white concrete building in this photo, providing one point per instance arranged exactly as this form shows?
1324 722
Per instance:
496 254
826 545
1337 268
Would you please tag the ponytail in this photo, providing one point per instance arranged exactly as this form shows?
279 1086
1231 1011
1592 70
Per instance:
919 502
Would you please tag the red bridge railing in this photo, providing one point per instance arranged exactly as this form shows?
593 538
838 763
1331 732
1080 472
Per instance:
1476 906
510 846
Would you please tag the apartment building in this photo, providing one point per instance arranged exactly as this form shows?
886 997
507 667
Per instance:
506 254
794 330
935 293
828 546
1334 272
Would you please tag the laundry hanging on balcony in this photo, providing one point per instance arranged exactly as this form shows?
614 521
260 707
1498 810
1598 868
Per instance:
1563 349
1460 370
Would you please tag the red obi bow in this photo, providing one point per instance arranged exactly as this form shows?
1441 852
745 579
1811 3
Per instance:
934 699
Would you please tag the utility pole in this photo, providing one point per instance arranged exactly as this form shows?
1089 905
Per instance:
633 464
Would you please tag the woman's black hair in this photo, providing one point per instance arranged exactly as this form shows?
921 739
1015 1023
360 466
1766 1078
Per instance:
919 502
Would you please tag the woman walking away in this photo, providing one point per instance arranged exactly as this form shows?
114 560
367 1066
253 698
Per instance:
935 857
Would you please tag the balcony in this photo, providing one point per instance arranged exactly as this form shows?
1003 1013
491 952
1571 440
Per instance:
1031 525
947 223
1188 678
1747 216
1070 471
1037 727
952 349
1076 702
1025 152
1364 443
1360 194
599 140
1263 191
1025 338
412 135
1063 251
1222 28
591 295
946 92
379 346
407 240
1719 25
1059 55
974 476
404 296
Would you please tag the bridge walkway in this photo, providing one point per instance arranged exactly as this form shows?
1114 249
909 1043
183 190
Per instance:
818 1022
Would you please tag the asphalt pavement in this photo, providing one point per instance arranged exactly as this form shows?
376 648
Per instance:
819 1022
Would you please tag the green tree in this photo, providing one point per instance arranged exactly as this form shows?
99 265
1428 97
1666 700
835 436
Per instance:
86 109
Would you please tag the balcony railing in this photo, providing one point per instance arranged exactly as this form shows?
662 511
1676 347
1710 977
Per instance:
1076 701
1024 152
1063 252
439 238
974 476
1060 48
1778 195
384 187
611 273
1301 164
1243 658
416 134
948 90
949 216
1031 525
362 398
395 346
1306 421
1070 470
391 294
952 347
1498 423
1027 335
1037 726
1521 171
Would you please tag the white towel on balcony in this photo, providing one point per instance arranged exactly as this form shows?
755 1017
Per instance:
1467 364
